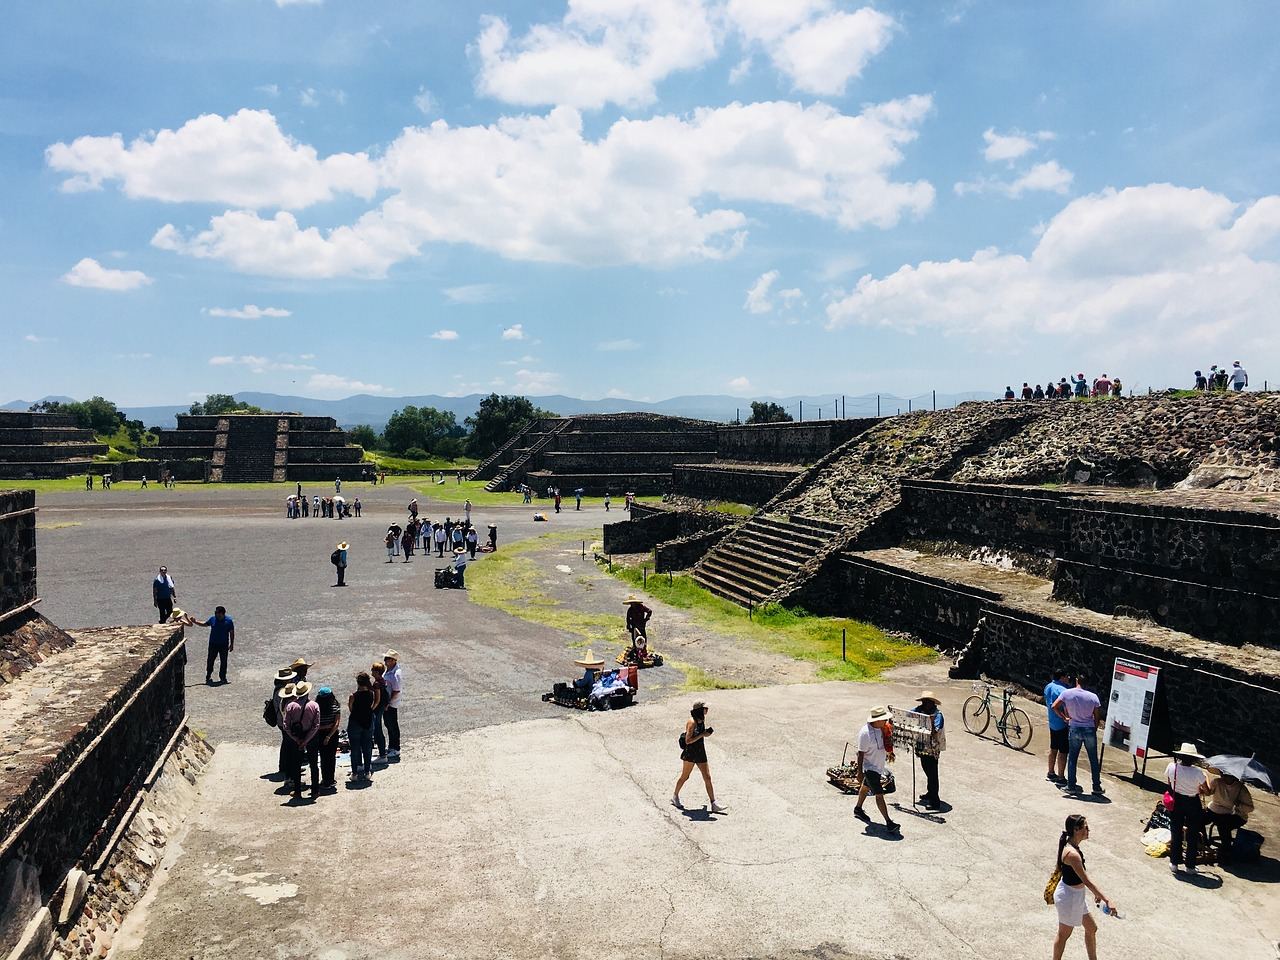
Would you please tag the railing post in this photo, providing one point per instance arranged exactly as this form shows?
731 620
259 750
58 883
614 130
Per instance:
843 638
584 549
644 577
935 399
877 406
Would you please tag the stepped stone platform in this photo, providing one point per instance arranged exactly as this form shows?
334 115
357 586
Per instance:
44 446
265 447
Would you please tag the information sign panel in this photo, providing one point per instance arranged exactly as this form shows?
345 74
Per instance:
1129 712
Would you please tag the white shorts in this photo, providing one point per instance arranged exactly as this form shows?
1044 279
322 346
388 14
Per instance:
1071 905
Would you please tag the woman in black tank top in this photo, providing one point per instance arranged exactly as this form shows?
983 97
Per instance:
1069 897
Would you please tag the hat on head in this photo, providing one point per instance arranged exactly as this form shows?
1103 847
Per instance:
325 691
878 714
1188 750
632 598
928 695
289 692
298 663
285 674
589 661
342 545
391 655
301 689
698 705
459 550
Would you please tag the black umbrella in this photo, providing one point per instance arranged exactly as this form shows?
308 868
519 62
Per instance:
1244 769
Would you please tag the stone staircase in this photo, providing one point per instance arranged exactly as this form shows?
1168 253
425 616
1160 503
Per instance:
764 554
515 470
251 449
492 464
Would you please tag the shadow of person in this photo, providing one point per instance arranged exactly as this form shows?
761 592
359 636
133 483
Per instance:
920 813
1201 878
701 814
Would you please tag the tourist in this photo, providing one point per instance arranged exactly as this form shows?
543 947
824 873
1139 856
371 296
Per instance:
283 679
1102 386
1058 742
1202 382
339 559
460 567
300 668
1081 387
439 538
163 592
1083 712
693 753
315 506
1008 393
1230 804
557 501
448 530
473 542
391 544
493 537
380 700
1027 392
222 640
1239 379
144 481
607 500
931 706
413 509
304 503
1069 895
1038 393
395 531
88 481
391 716
356 506
577 496
337 484
327 736
360 728
459 539
1117 388
875 749
407 540
287 749
466 512
302 724
1187 783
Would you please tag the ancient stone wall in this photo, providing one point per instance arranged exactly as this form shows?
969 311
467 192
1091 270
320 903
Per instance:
598 484
683 552
804 442
733 484
17 549
635 460
649 526
611 442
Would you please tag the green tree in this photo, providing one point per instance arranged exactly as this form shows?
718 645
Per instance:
96 414
497 419
423 427
365 436
768 412
216 404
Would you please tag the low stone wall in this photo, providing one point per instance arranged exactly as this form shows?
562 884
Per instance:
25 419
732 484
650 526
313 438
50 470
301 455
319 472
44 435
17 549
805 442
634 461
612 442
683 552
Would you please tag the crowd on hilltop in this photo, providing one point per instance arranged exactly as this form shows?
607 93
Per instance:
1220 378
1065 389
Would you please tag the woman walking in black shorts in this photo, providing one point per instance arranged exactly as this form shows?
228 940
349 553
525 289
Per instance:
693 753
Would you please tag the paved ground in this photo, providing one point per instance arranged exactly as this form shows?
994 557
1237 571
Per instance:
512 828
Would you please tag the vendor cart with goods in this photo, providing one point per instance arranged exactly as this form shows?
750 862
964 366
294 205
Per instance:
597 688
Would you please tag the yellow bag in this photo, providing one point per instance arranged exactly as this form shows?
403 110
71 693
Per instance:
1052 886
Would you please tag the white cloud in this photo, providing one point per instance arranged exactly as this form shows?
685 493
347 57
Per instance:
90 273
308 97
445 335
602 51
739 383
758 298
1008 147
1048 176
535 381
514 332
298 3
425 102
270 89
248 312
823 55
333 383
655 191
474 293
258 364
618 346
1139 271
32 338
244 160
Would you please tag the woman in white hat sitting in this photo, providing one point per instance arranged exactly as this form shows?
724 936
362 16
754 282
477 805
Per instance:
1187 783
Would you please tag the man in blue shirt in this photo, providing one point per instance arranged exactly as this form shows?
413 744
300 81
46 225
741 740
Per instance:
222 640
1058 742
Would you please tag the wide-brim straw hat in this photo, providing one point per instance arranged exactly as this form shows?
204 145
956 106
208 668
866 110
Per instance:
391 655
632 598
289 691
928 695
878 714
1189 750
285 675
298 663
589 661
302 689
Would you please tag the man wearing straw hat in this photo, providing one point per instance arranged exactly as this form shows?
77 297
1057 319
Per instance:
638 616
874 750
931 706
339 560
460 567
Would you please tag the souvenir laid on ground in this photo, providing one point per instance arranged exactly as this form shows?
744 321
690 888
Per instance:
597 688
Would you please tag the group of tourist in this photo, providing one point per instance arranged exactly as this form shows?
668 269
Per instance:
1220 378
337 507
1066 388
310 722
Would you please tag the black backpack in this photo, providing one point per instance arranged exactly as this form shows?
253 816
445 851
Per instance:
269 712
336 557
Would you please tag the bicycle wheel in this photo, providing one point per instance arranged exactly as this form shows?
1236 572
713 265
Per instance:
1017 729
977 715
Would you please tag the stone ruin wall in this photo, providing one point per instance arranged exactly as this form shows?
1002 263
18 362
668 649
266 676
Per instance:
797 443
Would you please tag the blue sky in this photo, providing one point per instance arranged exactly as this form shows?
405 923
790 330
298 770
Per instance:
642 199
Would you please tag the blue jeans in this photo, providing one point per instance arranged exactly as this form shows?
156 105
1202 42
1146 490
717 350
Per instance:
1088 738
361 748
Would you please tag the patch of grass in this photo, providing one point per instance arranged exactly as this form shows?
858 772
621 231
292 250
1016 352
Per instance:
793 633
736 509
403 465
697 680
57 526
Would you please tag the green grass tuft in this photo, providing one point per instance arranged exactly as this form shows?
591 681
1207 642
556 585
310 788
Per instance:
697 680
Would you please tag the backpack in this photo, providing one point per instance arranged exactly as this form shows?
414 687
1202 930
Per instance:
269 712
336 557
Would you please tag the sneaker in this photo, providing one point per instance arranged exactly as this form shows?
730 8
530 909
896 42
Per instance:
1099 792
1192 869
1173 868
1073 788
719 808
861 814
393 753
1054 778
675 802
892 826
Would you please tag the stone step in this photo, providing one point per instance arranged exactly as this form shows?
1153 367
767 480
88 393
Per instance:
792 531
748 579
771 540
763 557
726 589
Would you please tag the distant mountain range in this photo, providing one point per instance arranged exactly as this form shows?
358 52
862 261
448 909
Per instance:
375 411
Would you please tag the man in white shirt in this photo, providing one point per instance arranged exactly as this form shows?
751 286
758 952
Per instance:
460 567
391 715
1239 379
874 751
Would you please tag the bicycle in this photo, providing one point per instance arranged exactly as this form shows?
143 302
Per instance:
1014 724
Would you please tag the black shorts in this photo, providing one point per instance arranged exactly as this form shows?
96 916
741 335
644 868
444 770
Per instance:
871 779
1059 741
